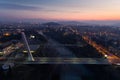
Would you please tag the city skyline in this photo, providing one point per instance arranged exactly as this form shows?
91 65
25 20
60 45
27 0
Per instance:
59 39
75 10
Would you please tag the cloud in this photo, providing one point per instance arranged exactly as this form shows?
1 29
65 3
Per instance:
18 7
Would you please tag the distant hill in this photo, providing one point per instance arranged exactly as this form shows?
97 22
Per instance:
92 22
116 25
51 24
72 22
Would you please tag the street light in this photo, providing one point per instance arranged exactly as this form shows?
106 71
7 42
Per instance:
106 55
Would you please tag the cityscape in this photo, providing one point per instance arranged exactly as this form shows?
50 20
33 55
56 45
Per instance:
54 43
60 43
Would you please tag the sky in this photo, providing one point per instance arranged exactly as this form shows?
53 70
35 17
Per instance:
60 9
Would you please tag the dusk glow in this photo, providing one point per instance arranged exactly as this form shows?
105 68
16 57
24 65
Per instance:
60 9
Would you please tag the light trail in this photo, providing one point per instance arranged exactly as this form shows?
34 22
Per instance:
111 57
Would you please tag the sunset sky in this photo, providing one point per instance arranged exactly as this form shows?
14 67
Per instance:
60 9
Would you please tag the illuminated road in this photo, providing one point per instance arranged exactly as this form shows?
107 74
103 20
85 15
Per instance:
9 53
9 50
111 57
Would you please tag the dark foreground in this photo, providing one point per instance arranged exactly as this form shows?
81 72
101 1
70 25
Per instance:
61 72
